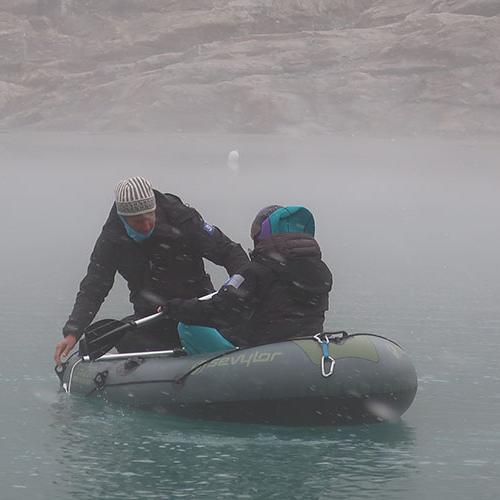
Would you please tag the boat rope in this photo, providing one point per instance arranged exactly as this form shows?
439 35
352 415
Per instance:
345 336
327 362
70 379
330 335
100 378
378 336
324 339
181 379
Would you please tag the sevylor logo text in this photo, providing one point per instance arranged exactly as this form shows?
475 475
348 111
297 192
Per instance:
241 359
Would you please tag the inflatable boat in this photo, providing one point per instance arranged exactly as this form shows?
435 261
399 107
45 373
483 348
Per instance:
335 378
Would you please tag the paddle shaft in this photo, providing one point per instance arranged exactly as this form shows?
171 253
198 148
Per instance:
127 326
116 333
147 319
137 323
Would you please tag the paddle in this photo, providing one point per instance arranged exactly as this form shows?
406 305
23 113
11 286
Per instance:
104 334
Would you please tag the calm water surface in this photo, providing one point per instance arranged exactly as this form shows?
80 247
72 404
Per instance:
411 230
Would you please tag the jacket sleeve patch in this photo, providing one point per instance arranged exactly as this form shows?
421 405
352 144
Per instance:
208 228
236 280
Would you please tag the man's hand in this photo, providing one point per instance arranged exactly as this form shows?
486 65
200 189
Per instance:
64 347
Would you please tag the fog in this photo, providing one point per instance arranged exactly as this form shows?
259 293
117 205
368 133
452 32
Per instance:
398 214
409 228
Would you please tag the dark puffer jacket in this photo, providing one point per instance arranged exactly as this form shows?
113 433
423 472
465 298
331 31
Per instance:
282 293
166 265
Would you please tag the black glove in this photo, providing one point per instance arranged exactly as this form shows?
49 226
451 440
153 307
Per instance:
170 307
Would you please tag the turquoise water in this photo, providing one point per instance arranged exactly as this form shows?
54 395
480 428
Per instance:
411 230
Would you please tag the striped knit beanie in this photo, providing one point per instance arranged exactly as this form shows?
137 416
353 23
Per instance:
134 196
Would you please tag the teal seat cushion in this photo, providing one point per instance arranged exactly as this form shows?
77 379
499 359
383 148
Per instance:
197 339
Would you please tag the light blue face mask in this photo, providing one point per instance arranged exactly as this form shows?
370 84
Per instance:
132 233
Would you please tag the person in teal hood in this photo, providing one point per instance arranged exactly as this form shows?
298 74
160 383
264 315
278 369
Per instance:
280 294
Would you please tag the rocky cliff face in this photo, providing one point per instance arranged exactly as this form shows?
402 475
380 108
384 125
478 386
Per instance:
314 66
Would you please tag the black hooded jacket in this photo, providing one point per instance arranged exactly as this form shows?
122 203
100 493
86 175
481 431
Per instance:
282 293
168 264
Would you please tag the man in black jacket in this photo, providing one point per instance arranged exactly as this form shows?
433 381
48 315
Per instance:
282 293
157 243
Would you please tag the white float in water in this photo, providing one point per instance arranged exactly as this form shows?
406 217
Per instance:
233 160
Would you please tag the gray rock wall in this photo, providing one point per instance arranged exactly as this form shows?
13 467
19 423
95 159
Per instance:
313 66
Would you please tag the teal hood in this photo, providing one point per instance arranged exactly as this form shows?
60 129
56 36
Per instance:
278 220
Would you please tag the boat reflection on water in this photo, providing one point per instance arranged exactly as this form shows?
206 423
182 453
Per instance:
113 452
